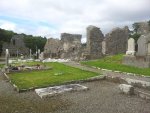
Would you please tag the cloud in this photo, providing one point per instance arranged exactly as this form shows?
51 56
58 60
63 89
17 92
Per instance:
51 17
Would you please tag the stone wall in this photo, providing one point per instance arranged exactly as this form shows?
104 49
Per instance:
144 28
94 42
71 45
53 48
15 46
116 41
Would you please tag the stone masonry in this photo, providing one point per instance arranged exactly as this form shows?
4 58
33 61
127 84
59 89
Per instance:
53 48
116 41
94 42
16 46
144 28
71 45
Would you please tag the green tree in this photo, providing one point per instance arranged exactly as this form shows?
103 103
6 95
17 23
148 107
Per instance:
135 27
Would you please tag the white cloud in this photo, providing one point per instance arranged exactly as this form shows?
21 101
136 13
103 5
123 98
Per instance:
73 15
7 25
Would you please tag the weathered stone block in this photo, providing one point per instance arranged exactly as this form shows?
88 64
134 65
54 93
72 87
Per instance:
126 89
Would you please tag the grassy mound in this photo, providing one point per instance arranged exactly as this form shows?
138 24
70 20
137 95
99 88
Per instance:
115 63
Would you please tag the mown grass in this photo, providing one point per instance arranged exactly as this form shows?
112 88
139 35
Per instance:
115 63
1 65
59 74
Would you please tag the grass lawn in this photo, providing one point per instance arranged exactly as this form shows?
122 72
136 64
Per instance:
115 63
59 74
1 65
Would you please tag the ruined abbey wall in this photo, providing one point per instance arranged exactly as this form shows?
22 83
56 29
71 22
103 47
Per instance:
16 46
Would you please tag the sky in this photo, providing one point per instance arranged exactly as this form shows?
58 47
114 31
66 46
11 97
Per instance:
49 18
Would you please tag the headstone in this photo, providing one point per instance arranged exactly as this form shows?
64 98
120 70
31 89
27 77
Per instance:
104 47
41 56
144 45
30 53
7 58
131 47
38 53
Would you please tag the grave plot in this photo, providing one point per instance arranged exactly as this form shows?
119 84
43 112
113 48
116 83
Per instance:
52 91
58 74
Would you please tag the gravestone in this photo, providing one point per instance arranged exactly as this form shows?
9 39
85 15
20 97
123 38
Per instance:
142 46
142 57
41 56
131 47
30 53
104 47
38 53
7 58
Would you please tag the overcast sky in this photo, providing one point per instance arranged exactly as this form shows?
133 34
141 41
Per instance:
52 17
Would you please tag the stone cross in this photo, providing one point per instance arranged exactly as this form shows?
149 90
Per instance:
7 57
131 47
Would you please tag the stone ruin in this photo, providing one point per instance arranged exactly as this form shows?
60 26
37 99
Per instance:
68 47
16 46
94 42
71 46
52 48
143 28
115 42
97 46
141 58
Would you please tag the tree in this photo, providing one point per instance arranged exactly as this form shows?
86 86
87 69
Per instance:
30 41
135 27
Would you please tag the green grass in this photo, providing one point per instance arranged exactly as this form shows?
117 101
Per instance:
115 63
59 74
1 65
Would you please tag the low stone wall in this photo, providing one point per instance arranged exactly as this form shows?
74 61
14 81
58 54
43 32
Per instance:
141 62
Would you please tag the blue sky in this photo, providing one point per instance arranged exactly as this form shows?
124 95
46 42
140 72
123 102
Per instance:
51 17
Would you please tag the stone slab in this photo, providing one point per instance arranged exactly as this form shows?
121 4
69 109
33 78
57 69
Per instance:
52 91
126 89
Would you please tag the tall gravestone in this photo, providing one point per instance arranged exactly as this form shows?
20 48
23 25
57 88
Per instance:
131 47
94 42
142 46
142 57
41 56
30 53
7 58
38 53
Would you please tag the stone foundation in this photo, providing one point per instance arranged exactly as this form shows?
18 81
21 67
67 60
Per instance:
137 61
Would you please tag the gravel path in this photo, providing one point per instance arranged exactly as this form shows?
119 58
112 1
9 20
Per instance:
102 97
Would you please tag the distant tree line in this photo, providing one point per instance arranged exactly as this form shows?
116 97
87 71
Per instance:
31 42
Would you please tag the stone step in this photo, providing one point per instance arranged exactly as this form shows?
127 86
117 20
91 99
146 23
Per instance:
133 82
142 93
